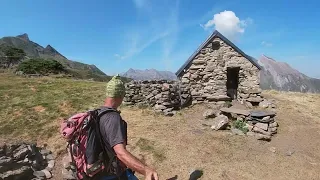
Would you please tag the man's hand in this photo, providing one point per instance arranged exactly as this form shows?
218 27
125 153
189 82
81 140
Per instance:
132 162
151 174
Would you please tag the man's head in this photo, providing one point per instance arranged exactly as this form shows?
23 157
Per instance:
115 92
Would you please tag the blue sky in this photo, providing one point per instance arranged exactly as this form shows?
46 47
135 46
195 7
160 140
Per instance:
118 35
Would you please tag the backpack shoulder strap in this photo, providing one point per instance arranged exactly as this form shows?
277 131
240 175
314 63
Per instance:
105 111
107 151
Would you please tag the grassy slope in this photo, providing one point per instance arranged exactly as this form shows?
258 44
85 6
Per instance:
33 107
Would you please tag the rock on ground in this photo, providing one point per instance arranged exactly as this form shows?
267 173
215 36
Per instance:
261 131
263 137
25 172
210 113
263 126
221 122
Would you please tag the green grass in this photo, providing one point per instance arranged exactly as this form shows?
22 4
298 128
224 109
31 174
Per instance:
241 125
33 107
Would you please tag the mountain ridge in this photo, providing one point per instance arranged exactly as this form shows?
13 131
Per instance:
281 76
149 74
34 50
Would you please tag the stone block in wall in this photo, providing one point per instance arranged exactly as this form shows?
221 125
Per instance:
253 95
210 66
199 61
195 67
233 65
150 96
200 55
194 76
192 70
158 96
254 99
208 87
186 75
159 107
217 98
155 92
244 96
195 93
185 80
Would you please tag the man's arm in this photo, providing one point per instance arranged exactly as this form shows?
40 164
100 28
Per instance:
132 162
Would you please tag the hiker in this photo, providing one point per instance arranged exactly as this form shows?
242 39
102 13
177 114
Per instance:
114 133
97 141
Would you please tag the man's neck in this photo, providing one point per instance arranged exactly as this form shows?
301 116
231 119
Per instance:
110 106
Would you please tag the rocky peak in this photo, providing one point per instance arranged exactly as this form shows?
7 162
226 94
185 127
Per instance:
131 70
281 76
277 67
50 49
24 37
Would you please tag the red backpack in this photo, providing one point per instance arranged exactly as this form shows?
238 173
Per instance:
86 148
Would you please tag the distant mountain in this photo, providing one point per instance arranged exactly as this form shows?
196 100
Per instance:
149 74
281 76
34 50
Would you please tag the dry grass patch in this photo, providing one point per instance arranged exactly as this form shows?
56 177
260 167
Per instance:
148 146
39 109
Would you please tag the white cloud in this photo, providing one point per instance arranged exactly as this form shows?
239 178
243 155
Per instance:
228 24
266 44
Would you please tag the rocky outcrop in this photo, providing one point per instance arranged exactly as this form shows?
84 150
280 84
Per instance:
24 36
25 161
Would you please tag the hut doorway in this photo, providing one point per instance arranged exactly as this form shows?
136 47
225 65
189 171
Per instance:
233 82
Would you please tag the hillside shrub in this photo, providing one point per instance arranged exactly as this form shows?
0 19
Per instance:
41 66
10 56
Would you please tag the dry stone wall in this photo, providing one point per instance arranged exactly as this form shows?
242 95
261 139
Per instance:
206 77
163 96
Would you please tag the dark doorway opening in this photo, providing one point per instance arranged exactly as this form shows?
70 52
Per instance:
233 82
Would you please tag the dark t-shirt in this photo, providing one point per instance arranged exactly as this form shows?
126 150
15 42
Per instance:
113 129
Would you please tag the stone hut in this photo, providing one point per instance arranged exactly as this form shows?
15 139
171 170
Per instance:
220 71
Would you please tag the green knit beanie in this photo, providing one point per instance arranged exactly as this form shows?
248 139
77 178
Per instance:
115 88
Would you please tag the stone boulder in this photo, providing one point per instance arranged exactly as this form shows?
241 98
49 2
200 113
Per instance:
221 122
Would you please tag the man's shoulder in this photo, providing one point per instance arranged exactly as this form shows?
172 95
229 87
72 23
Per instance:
109 113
